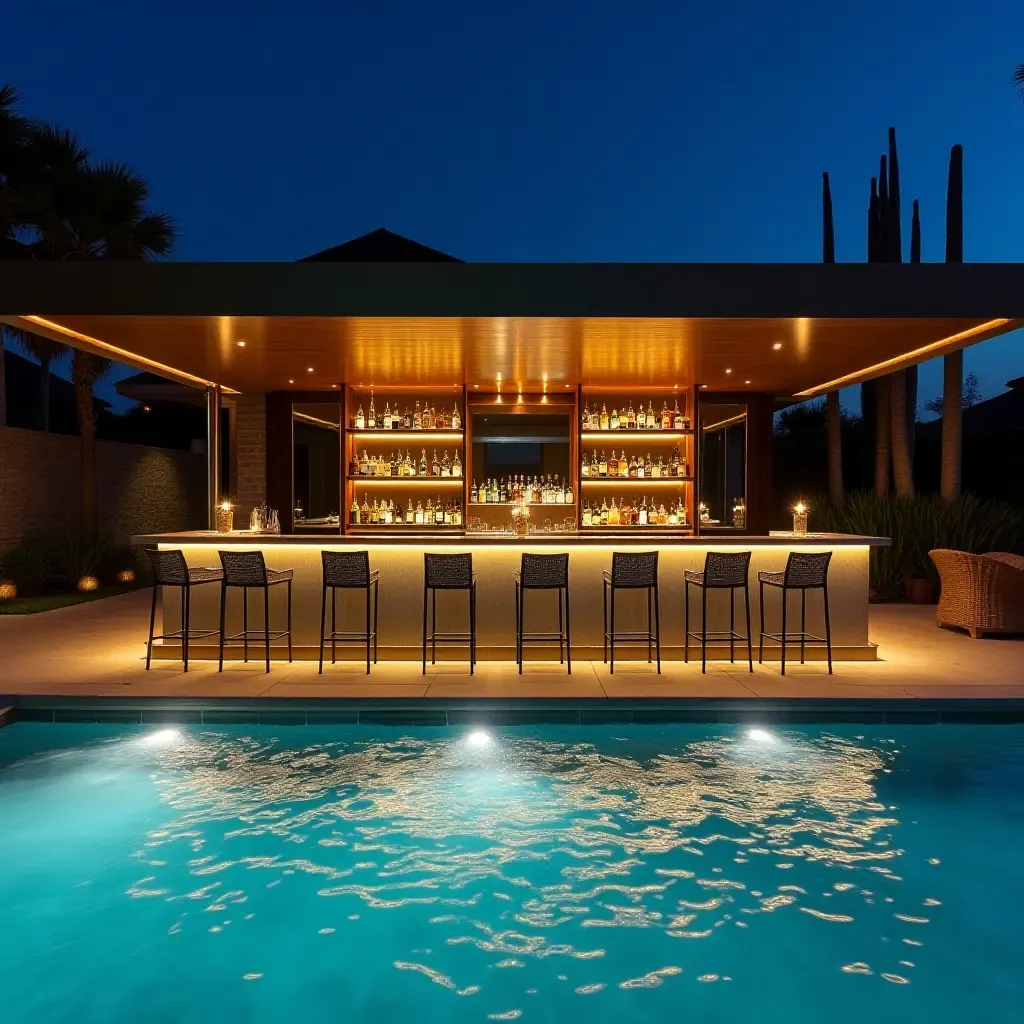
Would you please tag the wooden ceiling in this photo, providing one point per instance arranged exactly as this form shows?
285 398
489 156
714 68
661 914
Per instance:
781 356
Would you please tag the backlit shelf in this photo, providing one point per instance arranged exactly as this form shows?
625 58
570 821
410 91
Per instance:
408 435
513 504
635 435
644 481
649 528
443 481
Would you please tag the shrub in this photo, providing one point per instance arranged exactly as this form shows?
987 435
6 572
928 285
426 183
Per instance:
916 526
30 564
76 556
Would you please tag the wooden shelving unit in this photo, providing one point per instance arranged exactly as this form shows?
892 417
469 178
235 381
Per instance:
639 442
384 442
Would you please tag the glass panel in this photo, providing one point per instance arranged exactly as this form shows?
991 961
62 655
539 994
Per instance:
316 443
723 466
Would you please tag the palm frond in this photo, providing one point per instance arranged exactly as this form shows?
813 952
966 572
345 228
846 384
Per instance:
1018 79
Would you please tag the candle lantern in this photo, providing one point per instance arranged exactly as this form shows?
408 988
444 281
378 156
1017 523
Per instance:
225 518
800 519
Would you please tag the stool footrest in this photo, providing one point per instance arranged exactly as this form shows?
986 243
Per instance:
796 637
256 634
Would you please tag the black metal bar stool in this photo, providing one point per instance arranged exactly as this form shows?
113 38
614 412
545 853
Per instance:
248 571
804 571
544 572
348 570
722 571
631 571
171 570
448 572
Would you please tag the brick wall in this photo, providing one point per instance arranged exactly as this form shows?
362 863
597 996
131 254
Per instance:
140 489
250 456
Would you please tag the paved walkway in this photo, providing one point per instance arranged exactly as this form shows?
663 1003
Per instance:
98 649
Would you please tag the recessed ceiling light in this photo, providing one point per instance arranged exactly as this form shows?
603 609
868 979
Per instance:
777 346
335 385
476 385
290 381
727 370
746 382
703 387
309 369
240 344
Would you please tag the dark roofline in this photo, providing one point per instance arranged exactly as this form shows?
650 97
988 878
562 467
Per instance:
972 290
380 246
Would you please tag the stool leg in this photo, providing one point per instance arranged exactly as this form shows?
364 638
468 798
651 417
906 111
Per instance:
803 623
686 622
376 595
519 633
604 615
785 594
472 628
181 613
424 631
323 622
289 623
704 628
732 626
648 625
657 628
334 624
223 609
828 629
152 626
746 604
561 627
611 636
245 623
760 620
266 623
568 641
367 629
433 631
187 596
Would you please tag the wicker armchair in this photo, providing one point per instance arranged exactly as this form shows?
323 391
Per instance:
980 593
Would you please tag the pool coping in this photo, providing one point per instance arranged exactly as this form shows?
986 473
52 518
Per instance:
424 711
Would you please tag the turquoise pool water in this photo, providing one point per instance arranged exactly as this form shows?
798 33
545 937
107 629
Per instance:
554 874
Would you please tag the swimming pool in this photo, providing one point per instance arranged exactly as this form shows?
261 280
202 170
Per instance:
614 873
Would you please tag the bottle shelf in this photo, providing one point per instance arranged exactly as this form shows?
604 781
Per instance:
635 435
649 528
513 504
640 481
408 435
378 527
443 481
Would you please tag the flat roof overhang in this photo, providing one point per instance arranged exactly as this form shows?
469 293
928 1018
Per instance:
784 329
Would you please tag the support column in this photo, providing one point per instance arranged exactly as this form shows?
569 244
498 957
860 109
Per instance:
213 406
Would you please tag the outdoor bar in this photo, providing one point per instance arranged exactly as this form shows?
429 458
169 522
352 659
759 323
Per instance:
415 410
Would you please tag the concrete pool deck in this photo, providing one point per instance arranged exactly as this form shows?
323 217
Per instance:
97 650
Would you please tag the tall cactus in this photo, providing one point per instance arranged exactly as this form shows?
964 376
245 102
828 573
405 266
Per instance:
895 232
828 233
915 234
869 389
953 364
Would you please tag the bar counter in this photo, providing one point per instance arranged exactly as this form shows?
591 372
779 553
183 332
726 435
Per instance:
399 559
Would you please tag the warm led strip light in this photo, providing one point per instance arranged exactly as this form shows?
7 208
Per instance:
899 362
407 435
635 435
124 356
315 421
441 481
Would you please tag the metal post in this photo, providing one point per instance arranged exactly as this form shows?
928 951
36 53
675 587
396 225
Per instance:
213 406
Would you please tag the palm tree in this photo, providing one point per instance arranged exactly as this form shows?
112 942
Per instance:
83 211
902 468
47 351
953 363
1018 78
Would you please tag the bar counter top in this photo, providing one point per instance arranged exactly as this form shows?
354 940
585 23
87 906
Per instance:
421 539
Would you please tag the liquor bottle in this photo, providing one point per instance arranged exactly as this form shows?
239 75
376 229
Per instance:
407 419
417 417
631 417
353 512
673 516
457 466
642 516
446 466
652 421
641 417
474 494
386 422
613 465
602 466
584 466
604 512
439 512
435 466
439 420
389 513
674 465
433 418
677 417
371 419
456 418
423 462
640 474
569 499
360 419
560 492
656 469
585 417
594 469
662 515
396 418
666 417
410 512
624 466
588 516
374 513
613 514
418 515
613 420
364 514
364 464
353 466
603 421
632 467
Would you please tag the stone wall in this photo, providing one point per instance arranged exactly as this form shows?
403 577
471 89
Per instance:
140 489
250 456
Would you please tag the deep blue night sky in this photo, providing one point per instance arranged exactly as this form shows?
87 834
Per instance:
543 131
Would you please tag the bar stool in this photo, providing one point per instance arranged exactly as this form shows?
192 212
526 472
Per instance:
448 572
171 570
804 571
722 571
631 571
544 572
248 570
348 570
